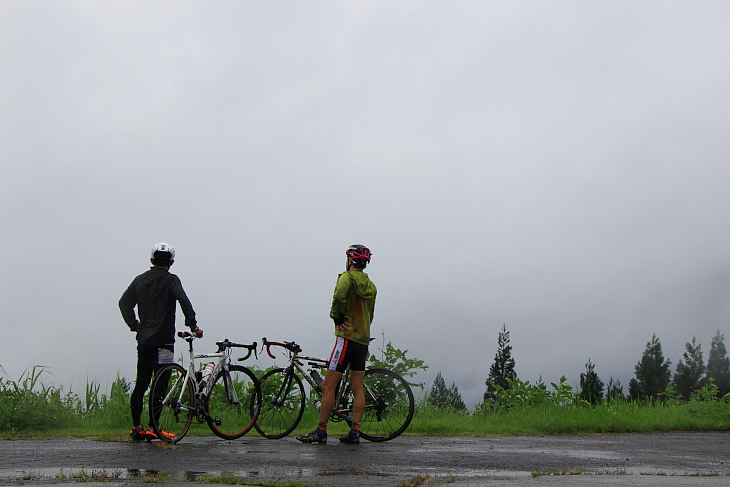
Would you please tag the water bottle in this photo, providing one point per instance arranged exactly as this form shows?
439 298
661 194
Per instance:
207 372
317 380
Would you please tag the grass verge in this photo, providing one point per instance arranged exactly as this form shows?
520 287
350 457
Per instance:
30 408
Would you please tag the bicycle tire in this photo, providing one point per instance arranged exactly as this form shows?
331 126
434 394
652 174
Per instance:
227 419
282 404
390 411
169 420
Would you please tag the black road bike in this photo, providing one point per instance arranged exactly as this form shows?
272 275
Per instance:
389 403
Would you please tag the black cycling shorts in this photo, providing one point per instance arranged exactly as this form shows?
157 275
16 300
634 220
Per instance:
348 352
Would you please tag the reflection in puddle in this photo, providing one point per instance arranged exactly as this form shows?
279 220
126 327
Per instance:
142 472
235 476
154 476
149 475
191 476
329 472
84 474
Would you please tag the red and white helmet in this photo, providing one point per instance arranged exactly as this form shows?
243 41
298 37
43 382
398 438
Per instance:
359 253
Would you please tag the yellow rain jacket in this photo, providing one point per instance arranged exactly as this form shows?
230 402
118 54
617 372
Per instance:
354 297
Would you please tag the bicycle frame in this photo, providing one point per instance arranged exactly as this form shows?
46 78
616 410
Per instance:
296 362
178 395
389 403
222 364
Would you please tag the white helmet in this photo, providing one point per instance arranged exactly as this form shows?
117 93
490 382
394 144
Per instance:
163 247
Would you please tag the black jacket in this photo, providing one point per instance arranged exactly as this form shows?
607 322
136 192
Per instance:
155 293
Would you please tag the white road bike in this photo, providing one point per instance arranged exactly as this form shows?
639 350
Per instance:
229 401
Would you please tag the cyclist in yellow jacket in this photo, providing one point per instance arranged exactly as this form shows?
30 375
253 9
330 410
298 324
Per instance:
353 306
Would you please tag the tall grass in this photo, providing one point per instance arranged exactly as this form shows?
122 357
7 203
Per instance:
29 407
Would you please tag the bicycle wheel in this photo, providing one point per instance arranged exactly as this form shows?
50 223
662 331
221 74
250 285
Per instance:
234 402
389 405
282 405
171 403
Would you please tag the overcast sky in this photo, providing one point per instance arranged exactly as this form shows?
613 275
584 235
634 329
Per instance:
559 167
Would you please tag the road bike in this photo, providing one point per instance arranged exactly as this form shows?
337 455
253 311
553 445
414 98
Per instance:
389 403
228 398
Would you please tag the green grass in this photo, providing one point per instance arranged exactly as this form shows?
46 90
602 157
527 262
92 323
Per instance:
30 408
547 419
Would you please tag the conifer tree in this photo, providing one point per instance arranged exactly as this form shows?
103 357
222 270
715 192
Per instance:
591 386
443 397
652 371
455 401
439 395
688 376
614 390
634 389
718 365
503 367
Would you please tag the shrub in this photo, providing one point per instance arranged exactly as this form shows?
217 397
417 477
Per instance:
29 405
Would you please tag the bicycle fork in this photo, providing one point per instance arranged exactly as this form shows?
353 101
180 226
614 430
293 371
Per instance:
179 406
285 387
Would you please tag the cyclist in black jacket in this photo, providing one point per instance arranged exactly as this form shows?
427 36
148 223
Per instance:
155 294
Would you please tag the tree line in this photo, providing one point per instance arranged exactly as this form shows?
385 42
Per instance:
653 380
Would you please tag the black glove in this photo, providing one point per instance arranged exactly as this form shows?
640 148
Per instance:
197 332
339 320
135 326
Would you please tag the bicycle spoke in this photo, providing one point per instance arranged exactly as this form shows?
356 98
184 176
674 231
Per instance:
171 403
282 404
234 402
389 405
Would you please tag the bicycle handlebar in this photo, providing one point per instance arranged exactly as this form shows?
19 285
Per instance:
291 346
188 336
227 344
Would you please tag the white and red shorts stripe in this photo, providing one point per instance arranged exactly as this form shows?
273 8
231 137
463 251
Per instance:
348 352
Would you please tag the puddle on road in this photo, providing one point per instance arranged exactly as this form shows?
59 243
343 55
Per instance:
662 472
192 476
83 474
88 474
609 471
106 474
592 454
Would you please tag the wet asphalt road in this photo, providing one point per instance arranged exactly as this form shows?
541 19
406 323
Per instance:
632 459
